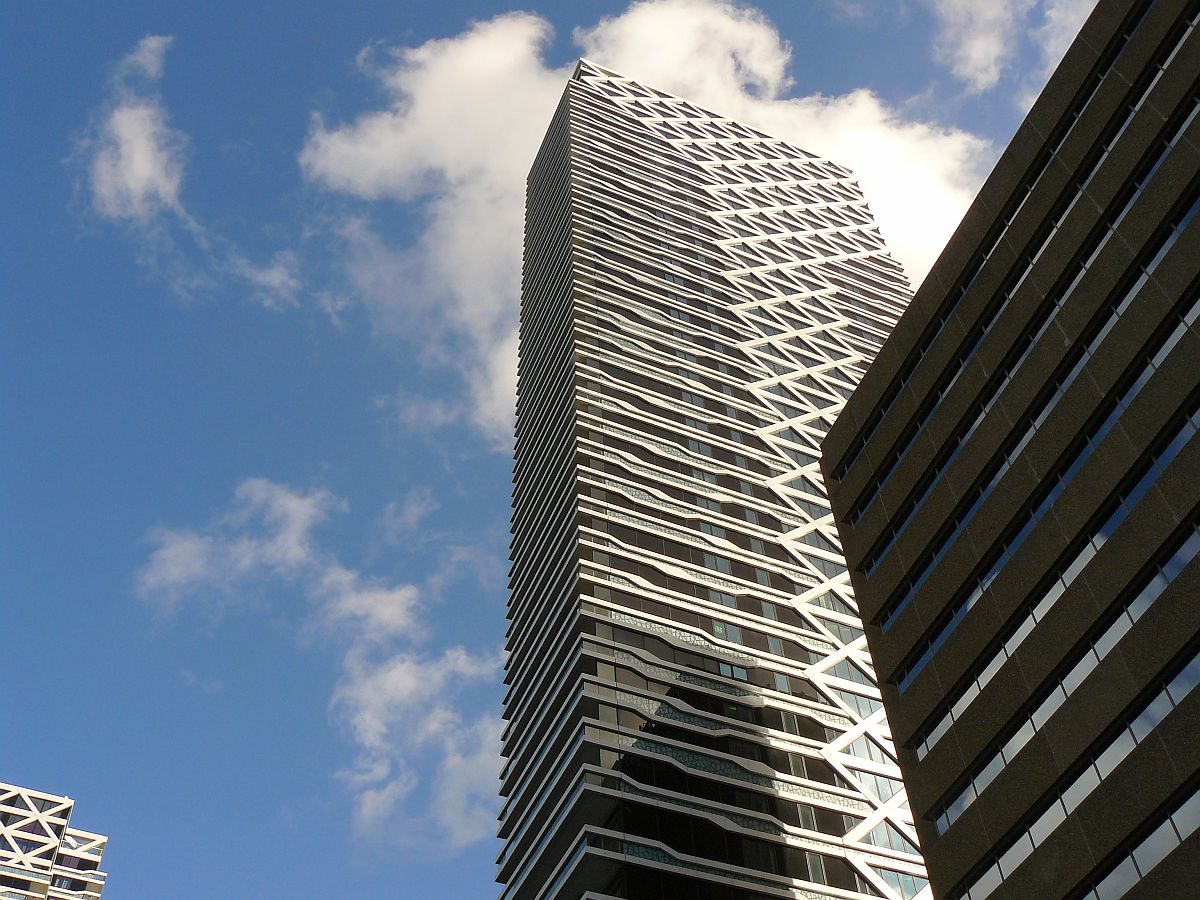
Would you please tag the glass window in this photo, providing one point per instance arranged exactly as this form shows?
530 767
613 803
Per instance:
718 563
1015 855
1046 823
723 598
1118 882
1155 848
1117 751
735 672
1153 714
1082 786
727 632
1187 817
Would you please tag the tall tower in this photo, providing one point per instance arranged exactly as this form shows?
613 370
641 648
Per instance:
42 857
691 709
1016 484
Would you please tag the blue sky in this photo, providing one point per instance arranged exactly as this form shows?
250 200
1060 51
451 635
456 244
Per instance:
260 267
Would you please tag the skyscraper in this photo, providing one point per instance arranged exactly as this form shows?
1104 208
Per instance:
1016 485
691 709
41 854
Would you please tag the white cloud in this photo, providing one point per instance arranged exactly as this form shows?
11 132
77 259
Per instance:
138 166
464 117
1061 22
918 177
201 684
421 764
135 164
265 534
721 54
374 611
147 57
978 38
405 691
466 785
137 160
406 701
852 9
276 284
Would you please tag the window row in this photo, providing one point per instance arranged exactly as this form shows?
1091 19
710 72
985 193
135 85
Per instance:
1068 371
993 240
1066 686
1144 591
1052 488
1099 766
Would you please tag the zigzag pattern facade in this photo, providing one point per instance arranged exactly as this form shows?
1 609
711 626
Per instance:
691 708
42 857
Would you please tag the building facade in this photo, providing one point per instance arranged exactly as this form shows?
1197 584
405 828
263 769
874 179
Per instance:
691 710
41 854
1017 487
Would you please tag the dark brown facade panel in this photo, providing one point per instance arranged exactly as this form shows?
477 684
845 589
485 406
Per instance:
1001 626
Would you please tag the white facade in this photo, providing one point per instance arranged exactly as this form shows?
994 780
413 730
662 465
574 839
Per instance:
699 300
41 855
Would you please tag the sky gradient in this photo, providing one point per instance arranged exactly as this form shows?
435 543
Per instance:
260 265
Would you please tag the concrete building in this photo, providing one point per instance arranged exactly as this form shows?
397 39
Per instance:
691 710
41 854
1016 486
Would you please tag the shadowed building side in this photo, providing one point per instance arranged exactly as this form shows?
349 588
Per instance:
1015 484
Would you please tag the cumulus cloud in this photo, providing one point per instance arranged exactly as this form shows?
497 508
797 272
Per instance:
720 53
135 164
978 38
462 122
420 763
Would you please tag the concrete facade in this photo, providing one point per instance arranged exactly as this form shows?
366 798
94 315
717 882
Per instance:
1015 484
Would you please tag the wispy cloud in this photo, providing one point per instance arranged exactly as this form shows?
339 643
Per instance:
462 121
135 164
421 764
978 39
200 684
400 520
1060 24
1061 21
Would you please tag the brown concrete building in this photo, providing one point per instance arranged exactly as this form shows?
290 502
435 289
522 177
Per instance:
1016 483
